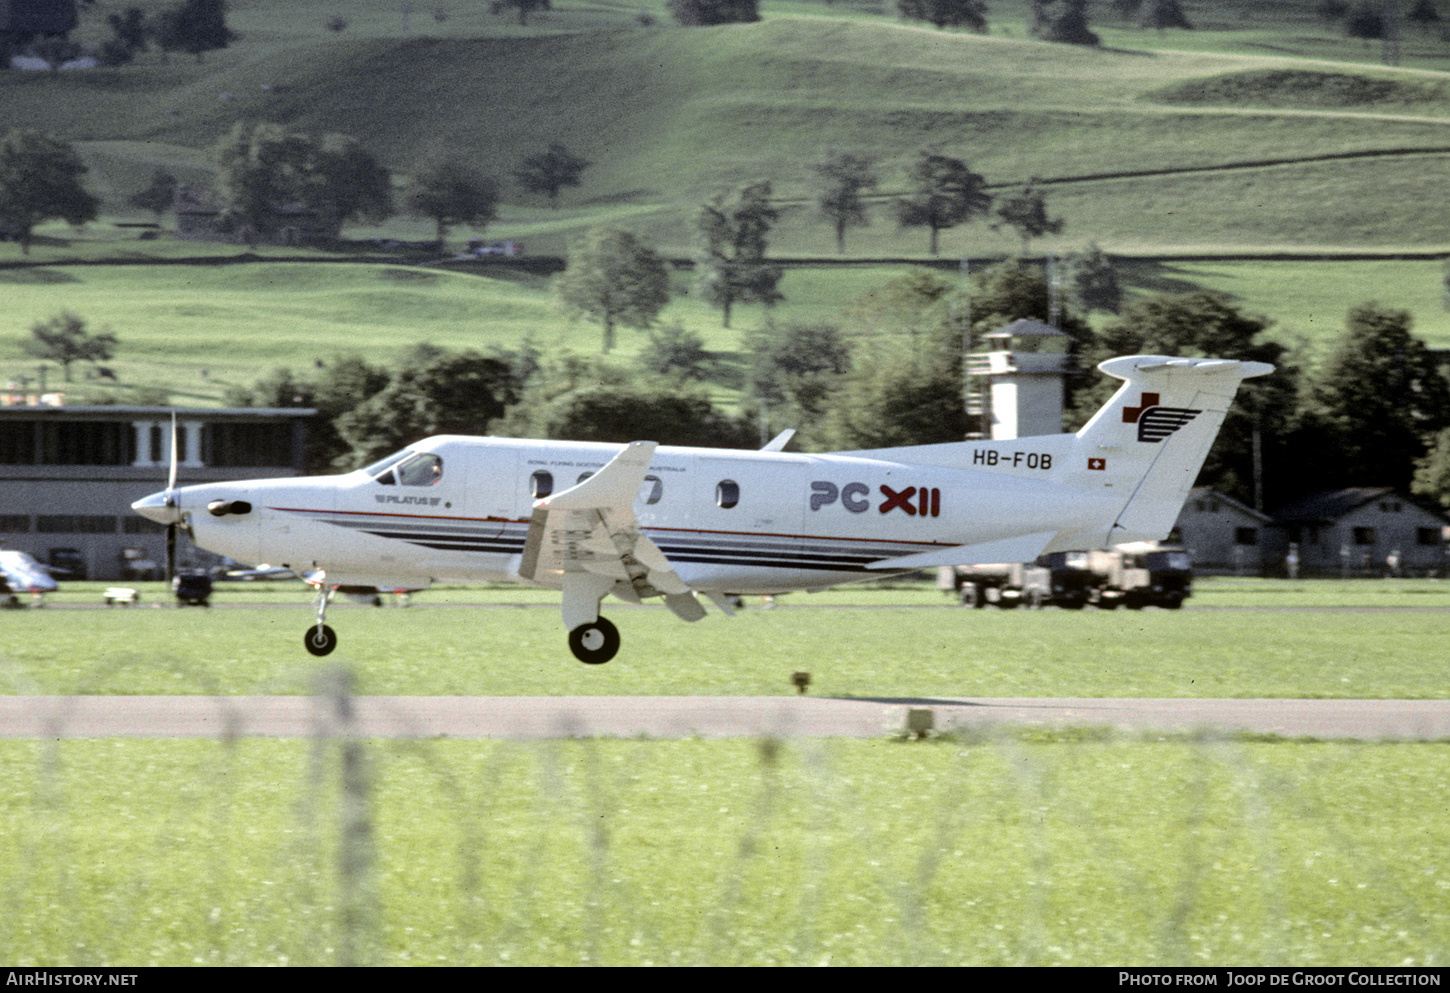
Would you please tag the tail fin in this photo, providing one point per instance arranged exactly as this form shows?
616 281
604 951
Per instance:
1148 443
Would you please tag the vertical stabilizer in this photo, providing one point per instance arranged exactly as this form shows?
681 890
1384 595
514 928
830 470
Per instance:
1149 442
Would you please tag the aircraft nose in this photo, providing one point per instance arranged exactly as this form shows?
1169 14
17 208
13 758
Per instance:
157 508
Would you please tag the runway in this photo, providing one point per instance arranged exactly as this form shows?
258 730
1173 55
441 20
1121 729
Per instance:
531 718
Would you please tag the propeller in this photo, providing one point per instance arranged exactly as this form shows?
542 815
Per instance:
173 505
165 507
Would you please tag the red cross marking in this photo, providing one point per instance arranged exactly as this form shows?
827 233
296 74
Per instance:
1131 414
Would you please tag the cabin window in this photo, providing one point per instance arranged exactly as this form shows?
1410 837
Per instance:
1364 536
652 490
541 484
1246 536
1427 536
727 493
582 476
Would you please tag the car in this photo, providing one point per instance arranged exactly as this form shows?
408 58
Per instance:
192 589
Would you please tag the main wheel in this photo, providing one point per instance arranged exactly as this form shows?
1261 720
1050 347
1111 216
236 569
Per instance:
594 643
320 639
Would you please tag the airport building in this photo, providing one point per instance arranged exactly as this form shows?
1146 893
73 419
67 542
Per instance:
68 477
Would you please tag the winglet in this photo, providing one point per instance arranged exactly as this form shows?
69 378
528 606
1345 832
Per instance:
616 485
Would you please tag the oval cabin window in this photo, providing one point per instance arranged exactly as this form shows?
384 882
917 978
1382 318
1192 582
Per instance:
727 493
541 484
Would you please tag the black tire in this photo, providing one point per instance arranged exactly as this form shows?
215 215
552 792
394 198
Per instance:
320 640
594 643
972 596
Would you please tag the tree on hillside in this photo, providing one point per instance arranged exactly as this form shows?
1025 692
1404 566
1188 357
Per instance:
614 277
40 179
524 8
1424 15
698 13
676 353
969 14
1062 21
158 196
1432 472
194 27
1164 14
64 340
452 192
1025 211
1365 20
1380 397
899 398
841 179
1093 282
129 34
796 371
730 262
669 414
455 393
549 172
344 182
263 169
944 193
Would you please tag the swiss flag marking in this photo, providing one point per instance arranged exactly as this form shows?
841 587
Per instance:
1097 463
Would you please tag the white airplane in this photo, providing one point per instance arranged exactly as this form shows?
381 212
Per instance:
20 573
640 521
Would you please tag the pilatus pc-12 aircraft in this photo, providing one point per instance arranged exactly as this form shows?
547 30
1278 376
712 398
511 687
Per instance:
643 520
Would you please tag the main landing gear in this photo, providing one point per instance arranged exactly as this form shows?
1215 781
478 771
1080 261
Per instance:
320 639
594 642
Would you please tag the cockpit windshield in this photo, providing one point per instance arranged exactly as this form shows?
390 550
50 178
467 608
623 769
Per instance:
407 468
376 469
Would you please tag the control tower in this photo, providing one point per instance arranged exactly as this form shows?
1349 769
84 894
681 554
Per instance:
1015 386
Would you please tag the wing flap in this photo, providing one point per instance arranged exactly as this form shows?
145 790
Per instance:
591 528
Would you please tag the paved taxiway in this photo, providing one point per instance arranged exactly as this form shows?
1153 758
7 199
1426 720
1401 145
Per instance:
524 717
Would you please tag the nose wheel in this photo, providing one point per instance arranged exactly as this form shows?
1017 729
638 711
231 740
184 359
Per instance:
320 640
594 643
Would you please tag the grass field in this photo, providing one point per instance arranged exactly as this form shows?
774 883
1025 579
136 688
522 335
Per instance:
900 642
1069 847
1063 849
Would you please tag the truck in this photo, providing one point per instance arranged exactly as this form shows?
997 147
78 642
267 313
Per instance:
1142 574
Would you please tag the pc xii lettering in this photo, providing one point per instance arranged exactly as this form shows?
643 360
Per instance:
914 501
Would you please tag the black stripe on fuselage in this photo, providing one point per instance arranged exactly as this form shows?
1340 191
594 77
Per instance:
701 548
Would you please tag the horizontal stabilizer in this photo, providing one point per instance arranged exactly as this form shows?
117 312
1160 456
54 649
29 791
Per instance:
1023 548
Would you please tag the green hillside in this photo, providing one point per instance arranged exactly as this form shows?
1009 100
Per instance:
1263 133
1247 151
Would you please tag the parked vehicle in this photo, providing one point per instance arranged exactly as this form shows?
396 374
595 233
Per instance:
1144 574
192 589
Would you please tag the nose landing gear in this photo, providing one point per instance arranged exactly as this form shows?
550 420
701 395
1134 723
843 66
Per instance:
320 639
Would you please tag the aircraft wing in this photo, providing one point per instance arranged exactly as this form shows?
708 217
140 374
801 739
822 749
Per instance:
590 531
